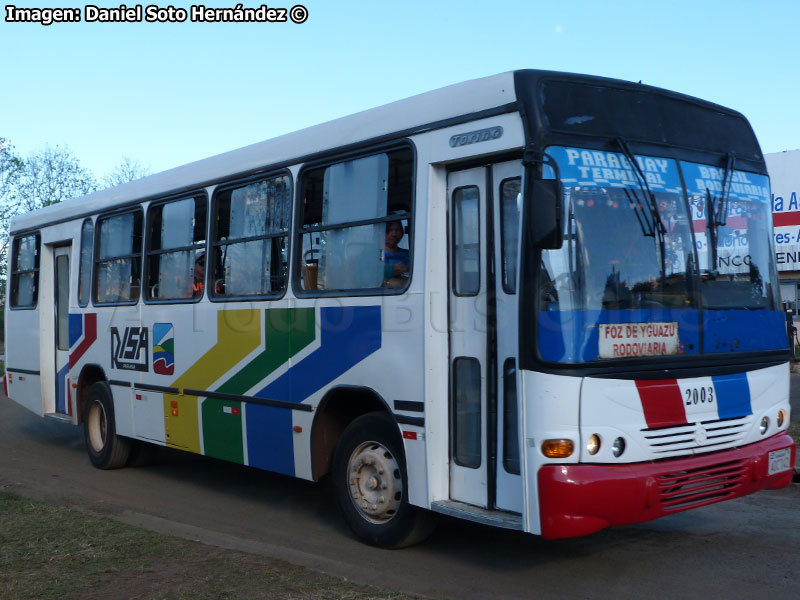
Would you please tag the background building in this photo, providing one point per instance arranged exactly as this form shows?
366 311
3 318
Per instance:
784 172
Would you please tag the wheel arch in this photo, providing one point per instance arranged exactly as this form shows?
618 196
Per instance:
338 408
90 374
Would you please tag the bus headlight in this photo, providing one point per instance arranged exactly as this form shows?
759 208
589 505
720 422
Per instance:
781 417
593 445
764 425
618 447
557 448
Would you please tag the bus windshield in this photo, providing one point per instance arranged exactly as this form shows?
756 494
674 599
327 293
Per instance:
660 258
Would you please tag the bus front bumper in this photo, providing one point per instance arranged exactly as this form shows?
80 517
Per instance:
581 499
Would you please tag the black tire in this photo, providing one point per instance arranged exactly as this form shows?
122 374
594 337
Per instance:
374 500
107 450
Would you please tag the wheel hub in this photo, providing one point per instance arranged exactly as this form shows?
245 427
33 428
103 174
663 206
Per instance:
97 426
376 486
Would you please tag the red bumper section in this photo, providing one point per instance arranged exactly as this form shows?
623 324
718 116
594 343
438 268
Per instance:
578 500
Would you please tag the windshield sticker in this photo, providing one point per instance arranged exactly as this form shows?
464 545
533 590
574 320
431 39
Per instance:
746 187
579 167
628 340
734 220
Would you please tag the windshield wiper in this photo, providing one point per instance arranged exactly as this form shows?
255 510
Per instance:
721 214
717 214
654 224
655 227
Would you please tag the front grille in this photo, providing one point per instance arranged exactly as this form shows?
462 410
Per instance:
696 487
705 436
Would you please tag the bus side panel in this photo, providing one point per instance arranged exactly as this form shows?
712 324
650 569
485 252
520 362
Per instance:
121 351
291 355
22 352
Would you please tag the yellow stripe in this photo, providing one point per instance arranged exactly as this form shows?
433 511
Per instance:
238 334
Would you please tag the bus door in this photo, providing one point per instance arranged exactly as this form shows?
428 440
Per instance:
506 184
61 261
484 435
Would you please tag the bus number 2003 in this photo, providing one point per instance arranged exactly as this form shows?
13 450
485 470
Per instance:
699 395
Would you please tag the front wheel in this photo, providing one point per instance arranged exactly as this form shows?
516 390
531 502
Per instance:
107 450
370 482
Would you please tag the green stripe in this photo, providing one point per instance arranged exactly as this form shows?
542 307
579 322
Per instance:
286 332
222 432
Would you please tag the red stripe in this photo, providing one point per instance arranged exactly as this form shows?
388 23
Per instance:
662 402
410 435
700 225
89 337
782 219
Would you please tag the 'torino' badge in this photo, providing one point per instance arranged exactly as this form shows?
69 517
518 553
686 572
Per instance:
475 137
163 349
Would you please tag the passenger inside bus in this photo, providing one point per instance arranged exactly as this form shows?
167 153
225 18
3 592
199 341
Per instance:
199 275
396 260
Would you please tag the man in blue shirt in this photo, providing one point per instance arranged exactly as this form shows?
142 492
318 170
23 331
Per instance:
396 260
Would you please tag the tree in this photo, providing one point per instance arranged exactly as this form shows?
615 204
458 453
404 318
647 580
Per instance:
51 176
128 170
11 167
44 178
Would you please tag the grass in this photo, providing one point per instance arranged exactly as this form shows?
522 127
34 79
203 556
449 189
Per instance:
794 430
54 552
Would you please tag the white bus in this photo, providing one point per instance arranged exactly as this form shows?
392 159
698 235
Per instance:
538 300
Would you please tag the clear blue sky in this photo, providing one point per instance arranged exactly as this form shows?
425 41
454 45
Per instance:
168 94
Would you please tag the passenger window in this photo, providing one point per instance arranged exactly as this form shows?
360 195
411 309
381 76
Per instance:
251 244
85 271
510 418
466 242
25 271
118 267
509 215
176 241
355 224
467 412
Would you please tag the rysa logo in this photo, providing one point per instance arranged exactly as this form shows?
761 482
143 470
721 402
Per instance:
129 351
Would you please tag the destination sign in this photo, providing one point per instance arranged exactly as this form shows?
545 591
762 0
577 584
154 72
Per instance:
630 340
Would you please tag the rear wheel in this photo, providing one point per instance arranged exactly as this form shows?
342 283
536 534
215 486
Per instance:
106 449
371 485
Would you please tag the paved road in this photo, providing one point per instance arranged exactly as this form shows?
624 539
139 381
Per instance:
747 548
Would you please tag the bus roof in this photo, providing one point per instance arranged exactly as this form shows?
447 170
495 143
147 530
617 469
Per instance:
461 102
421 112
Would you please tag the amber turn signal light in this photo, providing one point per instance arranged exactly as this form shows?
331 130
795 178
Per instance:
557 448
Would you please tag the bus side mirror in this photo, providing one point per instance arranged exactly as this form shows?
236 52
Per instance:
543 213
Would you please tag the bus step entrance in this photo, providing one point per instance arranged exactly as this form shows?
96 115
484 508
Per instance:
496 518
59 417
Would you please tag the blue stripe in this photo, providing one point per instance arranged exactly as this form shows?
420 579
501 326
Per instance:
571 336
269 439
744 330
61 389
733 396
348 335
75 328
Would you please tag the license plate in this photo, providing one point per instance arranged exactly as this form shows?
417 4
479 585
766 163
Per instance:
780 460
